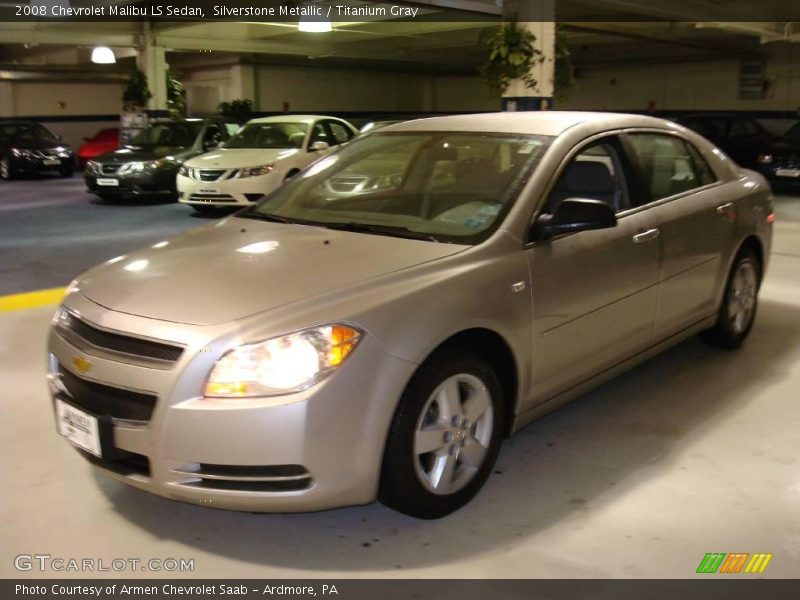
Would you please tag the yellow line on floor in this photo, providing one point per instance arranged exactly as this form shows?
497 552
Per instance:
31 299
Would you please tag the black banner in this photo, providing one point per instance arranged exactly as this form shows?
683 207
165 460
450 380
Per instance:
393 589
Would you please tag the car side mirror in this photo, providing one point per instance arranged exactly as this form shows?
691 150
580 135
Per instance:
574 215
59 137
319 146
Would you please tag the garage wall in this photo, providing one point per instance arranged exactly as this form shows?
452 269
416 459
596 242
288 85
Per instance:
688 86
73 110
340 90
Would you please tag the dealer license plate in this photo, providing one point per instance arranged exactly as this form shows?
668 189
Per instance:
787 172
80 428
51 162
108 182
208 191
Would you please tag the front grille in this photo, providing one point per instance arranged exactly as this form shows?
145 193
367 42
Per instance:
271 478
109 169
209 174
121 461
212 198
116 342
104 400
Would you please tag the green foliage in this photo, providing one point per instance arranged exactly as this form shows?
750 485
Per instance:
239 110
563 71
136 93
511 54
176 96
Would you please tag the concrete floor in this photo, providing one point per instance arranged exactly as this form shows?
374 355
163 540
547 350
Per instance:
696 451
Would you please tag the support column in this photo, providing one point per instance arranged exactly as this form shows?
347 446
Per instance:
538 17
7 108
243 84
152 62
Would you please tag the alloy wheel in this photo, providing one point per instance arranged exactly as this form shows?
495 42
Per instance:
742 296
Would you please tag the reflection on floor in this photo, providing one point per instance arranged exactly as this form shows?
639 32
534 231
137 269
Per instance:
695 451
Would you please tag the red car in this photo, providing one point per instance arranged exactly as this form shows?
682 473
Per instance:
103 141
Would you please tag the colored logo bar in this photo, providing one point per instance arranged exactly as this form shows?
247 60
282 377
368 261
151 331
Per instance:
736 562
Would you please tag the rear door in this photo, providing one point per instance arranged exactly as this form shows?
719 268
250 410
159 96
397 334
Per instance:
696 223
594 292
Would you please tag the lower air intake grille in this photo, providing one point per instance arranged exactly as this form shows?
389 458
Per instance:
273 478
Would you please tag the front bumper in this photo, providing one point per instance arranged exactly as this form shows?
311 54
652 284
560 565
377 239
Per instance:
230 192
157 182
317 449
44 164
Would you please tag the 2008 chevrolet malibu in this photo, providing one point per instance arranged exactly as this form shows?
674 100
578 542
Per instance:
376 326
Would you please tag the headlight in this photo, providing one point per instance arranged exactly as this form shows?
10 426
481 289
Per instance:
255 171
281 365
92 166
183 171
22 153
765 159
131 167
157 164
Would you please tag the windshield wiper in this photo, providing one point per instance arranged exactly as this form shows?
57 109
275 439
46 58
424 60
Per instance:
394 231
251 214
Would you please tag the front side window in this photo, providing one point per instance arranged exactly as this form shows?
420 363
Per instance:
168 134
269 135
446 187
595 173
26 132
665 164
339 132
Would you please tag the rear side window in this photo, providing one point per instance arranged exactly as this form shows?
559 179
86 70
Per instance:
666 164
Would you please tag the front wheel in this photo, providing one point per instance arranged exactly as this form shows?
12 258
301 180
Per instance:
444 438
739 303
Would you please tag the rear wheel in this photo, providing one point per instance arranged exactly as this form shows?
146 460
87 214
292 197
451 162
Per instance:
739 303
444 438
5 169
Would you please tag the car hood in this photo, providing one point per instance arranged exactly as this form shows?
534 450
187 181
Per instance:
237 158
239 267
128 154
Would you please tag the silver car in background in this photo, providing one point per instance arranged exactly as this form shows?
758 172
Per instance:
320 349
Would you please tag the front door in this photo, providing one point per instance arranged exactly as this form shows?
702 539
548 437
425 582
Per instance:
594 292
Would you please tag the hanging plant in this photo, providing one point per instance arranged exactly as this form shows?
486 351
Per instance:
136 93
512 54
176 96
563 70
239 110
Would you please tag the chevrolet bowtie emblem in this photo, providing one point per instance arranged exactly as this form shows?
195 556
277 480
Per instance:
82 364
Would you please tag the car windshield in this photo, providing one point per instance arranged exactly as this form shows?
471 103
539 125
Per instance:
169 134
26 132
793 135
437 186
269 135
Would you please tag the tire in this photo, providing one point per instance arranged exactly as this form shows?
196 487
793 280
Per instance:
739 303
6 172
204 210
433 484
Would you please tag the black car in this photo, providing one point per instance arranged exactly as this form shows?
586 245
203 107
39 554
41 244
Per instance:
742 138
780 162
29 147
149 164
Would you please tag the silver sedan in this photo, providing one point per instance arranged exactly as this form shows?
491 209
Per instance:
325 349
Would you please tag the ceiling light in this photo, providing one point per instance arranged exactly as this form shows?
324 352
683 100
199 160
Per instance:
103 55
314 26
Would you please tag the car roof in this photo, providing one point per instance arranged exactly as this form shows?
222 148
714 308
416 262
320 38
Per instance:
292 119
550 123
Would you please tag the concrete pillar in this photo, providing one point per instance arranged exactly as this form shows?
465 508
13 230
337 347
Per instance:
243 84
6 100
152 62
538 17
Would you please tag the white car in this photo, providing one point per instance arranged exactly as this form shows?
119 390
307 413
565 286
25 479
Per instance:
258 158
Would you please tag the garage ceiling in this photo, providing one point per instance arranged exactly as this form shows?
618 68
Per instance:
597 31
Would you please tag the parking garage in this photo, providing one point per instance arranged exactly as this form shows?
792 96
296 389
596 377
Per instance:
676 460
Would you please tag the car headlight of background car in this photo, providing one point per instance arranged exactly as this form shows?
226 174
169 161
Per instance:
139 166
282 365
765 159
255 171
22 153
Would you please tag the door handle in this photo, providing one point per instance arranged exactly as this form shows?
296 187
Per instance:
646 236
723 209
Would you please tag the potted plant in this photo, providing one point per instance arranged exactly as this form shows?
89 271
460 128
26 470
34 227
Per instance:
238 110
512 55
